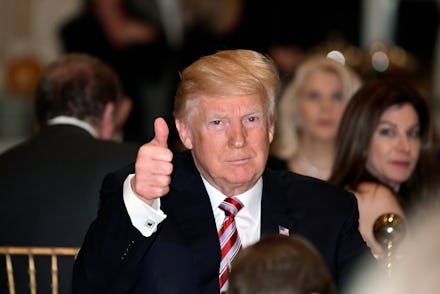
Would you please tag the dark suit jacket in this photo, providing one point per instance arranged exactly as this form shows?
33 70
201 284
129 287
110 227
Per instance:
183 256
49 187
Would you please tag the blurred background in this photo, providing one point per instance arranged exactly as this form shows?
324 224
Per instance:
375 37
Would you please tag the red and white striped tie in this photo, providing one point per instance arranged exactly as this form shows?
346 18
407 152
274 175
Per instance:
230 242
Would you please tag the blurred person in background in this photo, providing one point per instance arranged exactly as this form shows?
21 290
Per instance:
385 153
280 265
147 42
419 271
49 183
310 111
129 36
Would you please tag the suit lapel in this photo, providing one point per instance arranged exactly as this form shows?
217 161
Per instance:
275 214
191 208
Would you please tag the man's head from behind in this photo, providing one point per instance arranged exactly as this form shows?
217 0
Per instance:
79 86
280 265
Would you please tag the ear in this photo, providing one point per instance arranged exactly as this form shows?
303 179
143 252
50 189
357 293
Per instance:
184 133
271 131
122 111
106 128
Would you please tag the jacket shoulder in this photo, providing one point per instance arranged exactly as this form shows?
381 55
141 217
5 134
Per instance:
299 188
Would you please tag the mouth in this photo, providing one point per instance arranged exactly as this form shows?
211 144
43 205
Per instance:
401 163
325 122
238 161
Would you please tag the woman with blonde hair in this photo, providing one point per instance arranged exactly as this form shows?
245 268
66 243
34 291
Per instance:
310 111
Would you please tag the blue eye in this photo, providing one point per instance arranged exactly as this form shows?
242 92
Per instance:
337 97
386 132
216 124
253 119
313 96
414 134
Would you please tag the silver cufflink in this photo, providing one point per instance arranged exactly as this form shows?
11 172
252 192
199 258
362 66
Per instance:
149 223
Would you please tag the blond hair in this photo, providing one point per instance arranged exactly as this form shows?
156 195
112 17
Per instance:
287 144
228 73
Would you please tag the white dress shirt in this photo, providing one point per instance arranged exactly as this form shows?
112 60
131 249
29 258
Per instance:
247 219
69 120
146 218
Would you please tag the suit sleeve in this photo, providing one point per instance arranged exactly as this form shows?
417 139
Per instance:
112 248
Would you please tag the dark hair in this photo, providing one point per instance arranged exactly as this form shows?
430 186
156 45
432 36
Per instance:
76 85
361 118
280 264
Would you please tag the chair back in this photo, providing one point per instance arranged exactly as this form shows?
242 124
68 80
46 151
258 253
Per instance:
9 252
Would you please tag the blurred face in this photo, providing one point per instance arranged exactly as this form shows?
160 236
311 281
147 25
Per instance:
395 146
321 106
229 138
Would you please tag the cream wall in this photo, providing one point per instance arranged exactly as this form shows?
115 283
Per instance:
30 26
26 27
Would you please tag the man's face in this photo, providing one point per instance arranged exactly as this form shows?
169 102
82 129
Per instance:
229 138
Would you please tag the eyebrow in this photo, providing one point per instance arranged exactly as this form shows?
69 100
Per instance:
386 122
227 114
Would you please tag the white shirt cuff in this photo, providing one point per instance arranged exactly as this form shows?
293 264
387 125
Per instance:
144 218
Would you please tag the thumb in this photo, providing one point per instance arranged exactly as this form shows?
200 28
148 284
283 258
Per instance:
161 132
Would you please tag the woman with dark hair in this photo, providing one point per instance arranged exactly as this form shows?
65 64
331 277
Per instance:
385 152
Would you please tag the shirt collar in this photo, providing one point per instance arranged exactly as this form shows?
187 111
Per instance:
251 198
69 120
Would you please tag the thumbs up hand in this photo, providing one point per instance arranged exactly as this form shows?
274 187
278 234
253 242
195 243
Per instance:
153 166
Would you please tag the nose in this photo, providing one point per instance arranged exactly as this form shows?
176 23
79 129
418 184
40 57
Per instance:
326 104
237 135
404 143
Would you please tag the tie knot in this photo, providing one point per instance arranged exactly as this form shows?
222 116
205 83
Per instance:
231 206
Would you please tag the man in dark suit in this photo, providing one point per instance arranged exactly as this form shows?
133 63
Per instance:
49 184
157 231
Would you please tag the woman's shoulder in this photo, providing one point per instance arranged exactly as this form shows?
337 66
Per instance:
374 190
377 195
374 200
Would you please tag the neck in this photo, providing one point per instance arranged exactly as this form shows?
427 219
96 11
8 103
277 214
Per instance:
315 158
318 153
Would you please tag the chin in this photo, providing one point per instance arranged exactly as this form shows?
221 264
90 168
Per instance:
239 178
326 136
400 179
